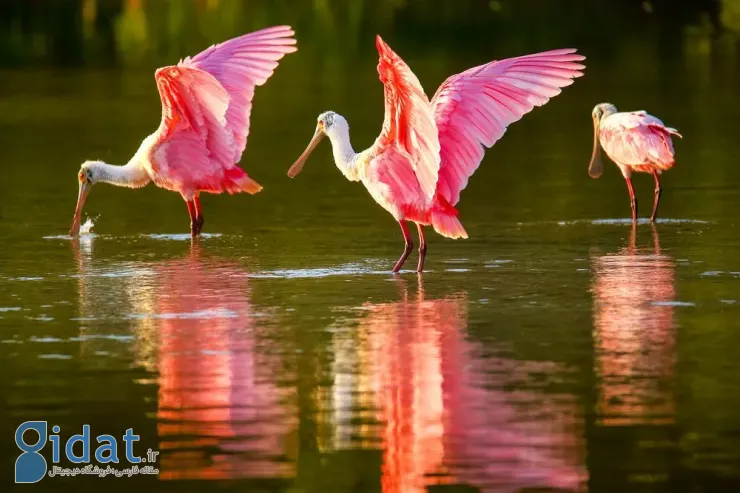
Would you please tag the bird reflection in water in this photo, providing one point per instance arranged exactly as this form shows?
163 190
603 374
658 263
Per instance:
634 292
216 387
220 413
447 414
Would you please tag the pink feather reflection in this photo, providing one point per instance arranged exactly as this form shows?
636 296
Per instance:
634 335
221 414
444 415
221 411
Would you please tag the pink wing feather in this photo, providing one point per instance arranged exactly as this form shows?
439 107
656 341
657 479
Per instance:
206 104
241 64
473 109
638 138
193 134
409 120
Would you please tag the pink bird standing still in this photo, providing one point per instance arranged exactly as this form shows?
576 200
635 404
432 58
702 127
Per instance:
635 141
427 150
206 104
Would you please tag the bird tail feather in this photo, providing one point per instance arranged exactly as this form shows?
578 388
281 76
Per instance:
238 181
448 225
250 186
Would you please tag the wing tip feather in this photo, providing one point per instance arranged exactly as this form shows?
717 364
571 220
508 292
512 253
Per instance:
379 43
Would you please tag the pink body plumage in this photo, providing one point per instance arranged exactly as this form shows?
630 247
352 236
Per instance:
637 141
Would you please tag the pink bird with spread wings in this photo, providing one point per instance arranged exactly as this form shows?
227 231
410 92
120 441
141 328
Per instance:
427 150
206 105
635 141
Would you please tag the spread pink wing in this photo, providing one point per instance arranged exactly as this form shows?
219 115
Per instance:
473 109
637 138
195 146
409 126
240 65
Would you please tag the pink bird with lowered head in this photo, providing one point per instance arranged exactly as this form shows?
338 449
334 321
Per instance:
636 141
206 105
427 150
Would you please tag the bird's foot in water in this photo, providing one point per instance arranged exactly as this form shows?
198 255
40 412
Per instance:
196 226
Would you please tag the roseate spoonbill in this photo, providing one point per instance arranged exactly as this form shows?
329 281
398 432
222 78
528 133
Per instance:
206 104
427 150
635 141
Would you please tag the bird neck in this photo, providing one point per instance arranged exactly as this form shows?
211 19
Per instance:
130 175
345 156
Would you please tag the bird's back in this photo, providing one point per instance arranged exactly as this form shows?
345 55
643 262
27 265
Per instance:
638 140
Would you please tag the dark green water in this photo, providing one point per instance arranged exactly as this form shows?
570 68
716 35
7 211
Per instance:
556 348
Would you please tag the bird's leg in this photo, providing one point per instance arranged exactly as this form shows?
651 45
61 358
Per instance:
633 200
199 219
422 248
191 211
656 201
408 247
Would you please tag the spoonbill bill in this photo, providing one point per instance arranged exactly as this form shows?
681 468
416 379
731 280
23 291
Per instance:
427 150
206 104
636 141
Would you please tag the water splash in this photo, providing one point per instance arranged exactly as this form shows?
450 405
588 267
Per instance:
87 226
85 231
